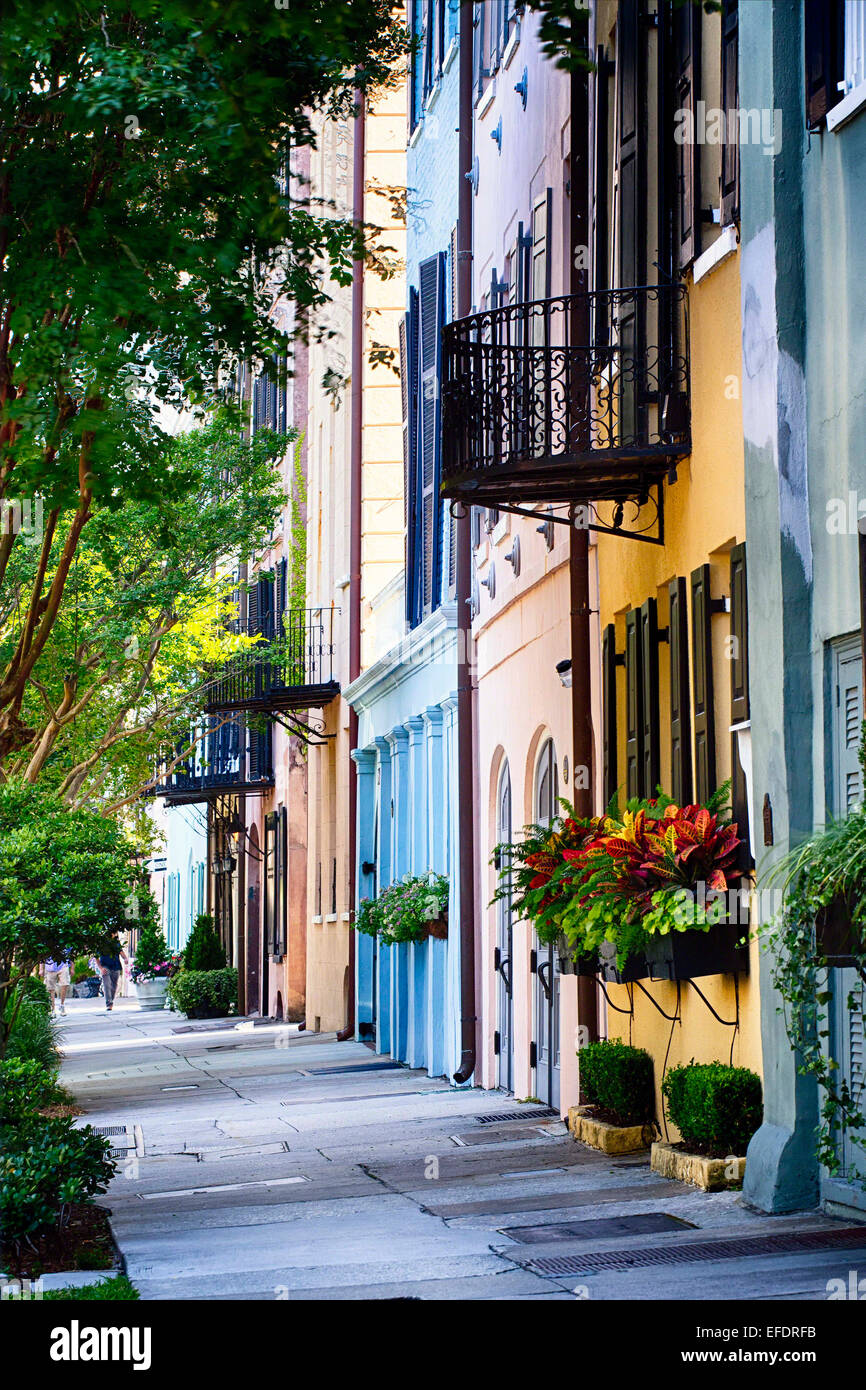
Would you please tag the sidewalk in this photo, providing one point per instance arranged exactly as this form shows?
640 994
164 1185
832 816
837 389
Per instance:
264 1163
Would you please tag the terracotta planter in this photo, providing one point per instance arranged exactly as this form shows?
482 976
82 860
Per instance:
687 955
835 936
151 994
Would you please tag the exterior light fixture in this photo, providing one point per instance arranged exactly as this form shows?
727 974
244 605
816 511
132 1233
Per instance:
563 670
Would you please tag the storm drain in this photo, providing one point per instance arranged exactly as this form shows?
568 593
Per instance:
121 1136
649 1223
527 1114
620 1261
358 1066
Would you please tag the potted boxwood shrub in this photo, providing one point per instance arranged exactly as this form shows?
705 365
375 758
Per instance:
153 964
204 993
616 1083
716 1108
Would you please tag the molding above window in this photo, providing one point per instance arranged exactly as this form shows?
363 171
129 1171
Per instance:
450 55
846 109
512 45
416 133
724 246
485 101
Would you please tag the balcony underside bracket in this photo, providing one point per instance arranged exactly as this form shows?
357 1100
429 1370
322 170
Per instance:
651 512
310 731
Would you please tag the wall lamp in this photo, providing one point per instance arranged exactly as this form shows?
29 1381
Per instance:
563 670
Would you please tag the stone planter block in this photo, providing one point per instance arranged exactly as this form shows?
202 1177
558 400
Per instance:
711 1174
611 1139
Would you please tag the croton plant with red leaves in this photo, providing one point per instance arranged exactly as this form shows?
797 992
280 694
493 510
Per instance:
622 877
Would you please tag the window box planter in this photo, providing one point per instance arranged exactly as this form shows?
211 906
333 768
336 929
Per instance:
688 955
710 1174
151 993
610 1139
635 968
835 936
572 963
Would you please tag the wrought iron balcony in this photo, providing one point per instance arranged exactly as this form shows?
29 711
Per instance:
295 673
581 399
228 758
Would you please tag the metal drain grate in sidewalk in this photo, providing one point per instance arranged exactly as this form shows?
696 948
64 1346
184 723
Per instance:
122 1138
620 1261
526 1113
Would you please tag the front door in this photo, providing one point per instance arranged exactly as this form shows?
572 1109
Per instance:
503 958
546 1011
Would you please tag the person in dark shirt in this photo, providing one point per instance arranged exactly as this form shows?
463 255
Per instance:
110 967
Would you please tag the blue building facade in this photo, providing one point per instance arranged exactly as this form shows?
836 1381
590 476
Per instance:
407 995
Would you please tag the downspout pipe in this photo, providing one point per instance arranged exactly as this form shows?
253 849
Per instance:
465 742
583 744
355 484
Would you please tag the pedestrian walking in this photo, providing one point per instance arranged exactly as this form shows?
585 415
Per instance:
55 974
111 967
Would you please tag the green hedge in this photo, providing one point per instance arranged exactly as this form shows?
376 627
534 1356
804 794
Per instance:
716 1108
619 1080
34 1031
46 1167
204 949
205 993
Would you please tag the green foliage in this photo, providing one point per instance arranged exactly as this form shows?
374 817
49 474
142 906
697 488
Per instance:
825 871
205 993
204 949
45 1172
34 989
82 970
117 1288
153 960
31 1028
715 1107
65 880
403 910
26 1087
619 1080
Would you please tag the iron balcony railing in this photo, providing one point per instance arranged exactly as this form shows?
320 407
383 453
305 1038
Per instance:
582 398
228 758
295 672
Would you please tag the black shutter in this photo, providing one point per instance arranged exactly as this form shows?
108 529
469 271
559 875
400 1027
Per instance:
431 281
823 22
681 733
271 879
739 696
282 597
610 781
600 271
650 713
634 725
251 740
687 86
409 393
282 915
702 685
730 90
253 610
632 141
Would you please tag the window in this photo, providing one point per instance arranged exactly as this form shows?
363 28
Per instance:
547 786
854 50
421 374
846 718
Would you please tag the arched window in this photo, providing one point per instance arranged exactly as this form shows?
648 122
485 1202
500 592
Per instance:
546 786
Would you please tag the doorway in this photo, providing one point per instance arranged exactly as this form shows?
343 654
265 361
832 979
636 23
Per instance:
546 993
503 954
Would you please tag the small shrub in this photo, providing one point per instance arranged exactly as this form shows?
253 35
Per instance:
33 1030
205 993
117 1288
82 970
204 950
46 1172
25 1089
716 1108
618 1079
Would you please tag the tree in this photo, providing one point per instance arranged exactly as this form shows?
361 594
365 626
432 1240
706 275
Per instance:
204 950
146 230
148 609
66 884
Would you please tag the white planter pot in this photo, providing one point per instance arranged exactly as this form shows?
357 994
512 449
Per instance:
151 994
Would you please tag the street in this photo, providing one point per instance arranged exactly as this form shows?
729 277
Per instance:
259 1162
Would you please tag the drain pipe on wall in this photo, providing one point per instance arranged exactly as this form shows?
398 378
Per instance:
583 744
465 748
355 486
